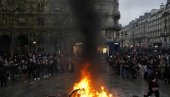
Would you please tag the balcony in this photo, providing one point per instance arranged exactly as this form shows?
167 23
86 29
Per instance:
116 14
165 34
111 25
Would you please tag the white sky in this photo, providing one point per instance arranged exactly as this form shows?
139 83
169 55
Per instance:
131 9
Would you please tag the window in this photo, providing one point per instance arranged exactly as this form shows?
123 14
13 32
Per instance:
0 3
41 21
4 20
40 5
109 34
21 21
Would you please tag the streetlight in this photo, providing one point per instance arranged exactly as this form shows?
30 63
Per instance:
123 35
122 38
34 42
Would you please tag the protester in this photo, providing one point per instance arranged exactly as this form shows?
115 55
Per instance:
153 87
140 65
32 66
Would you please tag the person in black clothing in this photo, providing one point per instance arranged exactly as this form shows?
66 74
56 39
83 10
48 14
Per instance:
168 74
31 69
2 75
153 87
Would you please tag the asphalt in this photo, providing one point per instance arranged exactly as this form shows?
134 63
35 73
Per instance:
60 85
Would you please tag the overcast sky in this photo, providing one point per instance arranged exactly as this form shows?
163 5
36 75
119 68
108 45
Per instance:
131 9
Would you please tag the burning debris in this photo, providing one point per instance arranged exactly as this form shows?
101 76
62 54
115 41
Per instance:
85 88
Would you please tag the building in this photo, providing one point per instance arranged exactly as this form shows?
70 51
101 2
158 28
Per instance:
151 29
110 24
48 25
166 26
33 26
108 12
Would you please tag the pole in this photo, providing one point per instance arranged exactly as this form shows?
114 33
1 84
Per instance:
11 44
133 37
166 43
122 41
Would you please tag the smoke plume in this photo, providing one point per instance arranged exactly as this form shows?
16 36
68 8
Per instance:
89 25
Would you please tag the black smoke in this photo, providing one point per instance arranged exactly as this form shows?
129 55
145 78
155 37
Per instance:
88 22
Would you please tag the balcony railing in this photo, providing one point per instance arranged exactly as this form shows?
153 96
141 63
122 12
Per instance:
165 34
111 25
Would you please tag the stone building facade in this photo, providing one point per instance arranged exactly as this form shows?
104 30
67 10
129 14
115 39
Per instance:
151 29
110 24
33 26
30 26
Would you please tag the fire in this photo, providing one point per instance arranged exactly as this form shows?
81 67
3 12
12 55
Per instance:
85 88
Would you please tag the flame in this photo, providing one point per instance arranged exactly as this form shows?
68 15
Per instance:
86 89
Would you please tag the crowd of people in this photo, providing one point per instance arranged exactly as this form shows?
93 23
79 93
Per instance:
135 65
141 65
32 66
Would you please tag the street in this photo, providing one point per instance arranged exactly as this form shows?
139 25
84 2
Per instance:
60 85
121 48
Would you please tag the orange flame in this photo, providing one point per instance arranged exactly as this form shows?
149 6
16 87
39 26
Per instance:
86 89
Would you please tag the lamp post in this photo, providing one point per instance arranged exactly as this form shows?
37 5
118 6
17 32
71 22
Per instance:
123 36
11 44
34 44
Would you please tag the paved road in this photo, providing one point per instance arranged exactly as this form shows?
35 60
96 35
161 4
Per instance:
60 85
128 88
